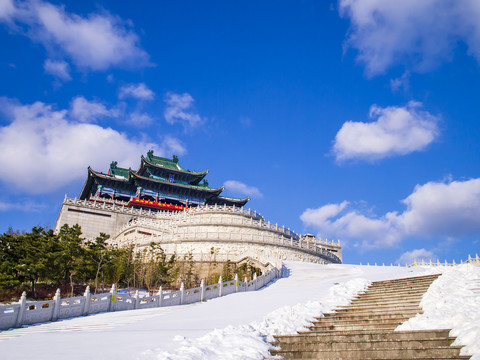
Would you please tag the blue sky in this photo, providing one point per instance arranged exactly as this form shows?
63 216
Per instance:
354 120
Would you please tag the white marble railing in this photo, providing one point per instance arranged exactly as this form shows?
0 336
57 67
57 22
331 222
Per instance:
229 237
118 206
218 221
225 209
31 312
122 207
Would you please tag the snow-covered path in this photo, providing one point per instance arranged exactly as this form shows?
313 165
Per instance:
155 333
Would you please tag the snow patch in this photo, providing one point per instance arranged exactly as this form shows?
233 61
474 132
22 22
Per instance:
452 302
251 341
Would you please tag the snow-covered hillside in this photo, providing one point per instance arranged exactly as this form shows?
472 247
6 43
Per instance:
230 327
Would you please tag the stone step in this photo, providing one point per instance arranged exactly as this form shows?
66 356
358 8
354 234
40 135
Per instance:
391 320
368 344
353 327
401 282
397 283
385 301
385 308
370 316
365 328
397 294
340 336
399 287
459 357
411 279
376 312
390 353
393 292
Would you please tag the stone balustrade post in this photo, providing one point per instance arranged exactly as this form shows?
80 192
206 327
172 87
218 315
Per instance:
220 286
56 305
21 312
182 292
137 299
202 290
160 296
236 282
113 298
86 305
255 281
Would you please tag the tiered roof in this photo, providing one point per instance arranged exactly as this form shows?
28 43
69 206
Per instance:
158 175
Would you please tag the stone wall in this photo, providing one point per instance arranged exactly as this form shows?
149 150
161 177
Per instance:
234 232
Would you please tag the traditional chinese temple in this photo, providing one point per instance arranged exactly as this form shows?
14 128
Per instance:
159 183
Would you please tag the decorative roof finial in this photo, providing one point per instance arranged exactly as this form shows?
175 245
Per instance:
150 154
113 165
175 159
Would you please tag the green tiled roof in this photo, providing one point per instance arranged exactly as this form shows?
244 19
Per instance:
171 164
168 163
118 171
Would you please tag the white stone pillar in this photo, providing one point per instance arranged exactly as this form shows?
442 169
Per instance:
202 290
113 298
86 305
56 306
21 312
220 286
182 292
255 281
137 300
160 296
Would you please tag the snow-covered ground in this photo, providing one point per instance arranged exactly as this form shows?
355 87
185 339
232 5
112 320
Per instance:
452 302
231 327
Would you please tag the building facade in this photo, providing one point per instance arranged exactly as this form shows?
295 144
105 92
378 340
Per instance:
163 203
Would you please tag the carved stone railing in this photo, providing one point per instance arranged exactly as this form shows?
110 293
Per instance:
219 221
31 312
306 246
122 207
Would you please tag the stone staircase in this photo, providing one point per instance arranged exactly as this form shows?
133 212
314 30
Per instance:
365 328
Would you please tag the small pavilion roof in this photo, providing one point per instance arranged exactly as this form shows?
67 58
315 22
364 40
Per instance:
118 171
234 201
169 164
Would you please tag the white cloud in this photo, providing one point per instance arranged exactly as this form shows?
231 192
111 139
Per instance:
240 188
371 232
179 110
22 205
434 210
443 209
137 91
96 42
60 69
171 145
396 131
139 119
7 9
89 111
401 82
417 34
53 150
410 257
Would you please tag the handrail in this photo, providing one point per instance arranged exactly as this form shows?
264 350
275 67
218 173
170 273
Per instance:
31 312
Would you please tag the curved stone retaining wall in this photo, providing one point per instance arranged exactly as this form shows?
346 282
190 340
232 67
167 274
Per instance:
234 232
